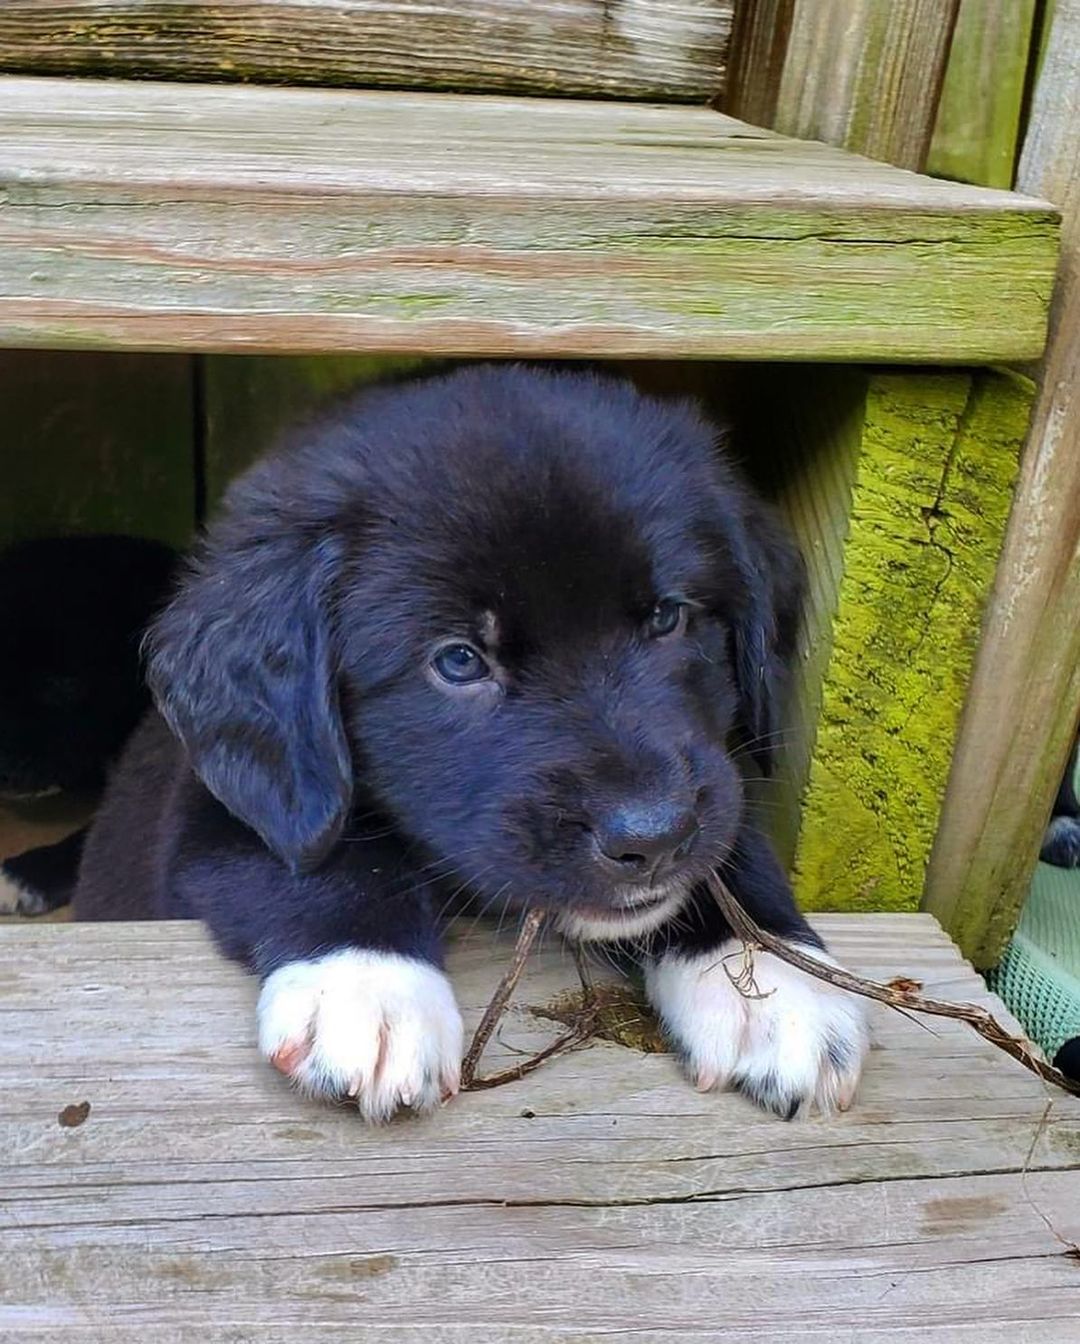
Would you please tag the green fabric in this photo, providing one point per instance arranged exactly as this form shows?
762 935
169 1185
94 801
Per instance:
1039 975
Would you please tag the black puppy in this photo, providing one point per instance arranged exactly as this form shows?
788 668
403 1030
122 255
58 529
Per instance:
500 630
1061 841
72 614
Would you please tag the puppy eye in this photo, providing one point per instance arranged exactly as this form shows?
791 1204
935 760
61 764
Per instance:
668 617
460 664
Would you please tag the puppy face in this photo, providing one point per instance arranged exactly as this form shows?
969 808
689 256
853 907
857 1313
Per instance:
522 616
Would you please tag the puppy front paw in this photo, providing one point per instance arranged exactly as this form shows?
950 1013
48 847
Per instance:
381 1029
783 1038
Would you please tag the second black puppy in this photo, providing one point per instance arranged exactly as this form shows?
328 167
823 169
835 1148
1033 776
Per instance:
502 630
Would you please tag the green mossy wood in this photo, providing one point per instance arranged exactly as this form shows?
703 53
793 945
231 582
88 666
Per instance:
921 467
978 123
169 217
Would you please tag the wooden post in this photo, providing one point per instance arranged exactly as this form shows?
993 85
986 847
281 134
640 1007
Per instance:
897 485
863 74
978 122
1025 694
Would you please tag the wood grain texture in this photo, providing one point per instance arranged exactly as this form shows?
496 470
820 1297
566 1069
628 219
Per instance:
897 487
759 43
670 50
92 442
1025 694
598 1197
197 217
862 74
976 135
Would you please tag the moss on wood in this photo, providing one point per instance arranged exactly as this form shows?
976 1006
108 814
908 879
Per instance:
930 490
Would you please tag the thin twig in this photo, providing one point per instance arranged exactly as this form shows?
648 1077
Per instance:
495 1009
978 1018
576 1035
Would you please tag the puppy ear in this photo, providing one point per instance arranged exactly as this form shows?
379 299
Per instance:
774 579
242 668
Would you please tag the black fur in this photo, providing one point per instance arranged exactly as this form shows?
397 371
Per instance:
324 788
72 613
1061 843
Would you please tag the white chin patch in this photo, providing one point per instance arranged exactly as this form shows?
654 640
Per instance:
378 1028
631 923
786 1040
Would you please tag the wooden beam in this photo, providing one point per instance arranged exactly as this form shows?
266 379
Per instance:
201 217
1025 695
897 487
862 74
671 50
976 136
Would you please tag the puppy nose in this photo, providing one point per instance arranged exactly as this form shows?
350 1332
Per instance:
638 838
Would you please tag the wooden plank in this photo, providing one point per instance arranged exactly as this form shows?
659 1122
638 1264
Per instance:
976 136
898 488
862 74
1025 694
670 50
759 44
189 217
601 1195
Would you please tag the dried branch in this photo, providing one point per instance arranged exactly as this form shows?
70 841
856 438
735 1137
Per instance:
896 996
578 1034
901 994
495 1009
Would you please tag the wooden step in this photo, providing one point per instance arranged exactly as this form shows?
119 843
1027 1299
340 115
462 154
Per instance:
672 50
168 217
159 1179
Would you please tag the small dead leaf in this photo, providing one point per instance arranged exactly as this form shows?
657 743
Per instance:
71 1117
622 1016
903 985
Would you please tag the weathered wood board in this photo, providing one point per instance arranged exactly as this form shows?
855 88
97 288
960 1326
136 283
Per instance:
864 74
214 218
671 50
601 1197
898 487
977 130
1025 694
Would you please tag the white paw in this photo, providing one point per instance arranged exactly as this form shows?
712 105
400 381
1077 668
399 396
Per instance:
784 1039
15 899
373 1026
